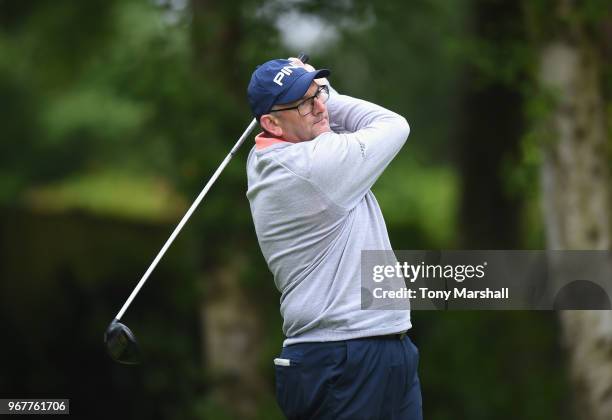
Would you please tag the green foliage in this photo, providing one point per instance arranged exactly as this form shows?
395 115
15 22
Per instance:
522 175
490 364
408 59
424 209
111 193
549 19
92 114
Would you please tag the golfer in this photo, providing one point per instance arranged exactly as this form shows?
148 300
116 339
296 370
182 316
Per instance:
309 179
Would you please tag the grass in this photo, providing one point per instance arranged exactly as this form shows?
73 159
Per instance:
114 193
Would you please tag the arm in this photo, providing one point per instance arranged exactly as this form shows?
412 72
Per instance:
347 163
365 138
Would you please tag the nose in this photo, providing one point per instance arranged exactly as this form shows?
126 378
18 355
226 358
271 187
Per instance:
318 106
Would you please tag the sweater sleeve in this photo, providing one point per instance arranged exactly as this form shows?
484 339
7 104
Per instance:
349 160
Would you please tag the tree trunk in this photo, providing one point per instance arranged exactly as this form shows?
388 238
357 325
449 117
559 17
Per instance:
575 180
216 37
231 325
232 342
489 135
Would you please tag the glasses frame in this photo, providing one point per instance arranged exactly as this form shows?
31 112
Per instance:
322 88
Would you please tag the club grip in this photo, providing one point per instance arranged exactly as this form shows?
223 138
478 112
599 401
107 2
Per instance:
304 57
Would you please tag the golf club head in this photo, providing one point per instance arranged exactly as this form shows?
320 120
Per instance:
121 344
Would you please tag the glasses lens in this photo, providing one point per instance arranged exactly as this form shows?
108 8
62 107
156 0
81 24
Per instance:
323 94
305 107
121 344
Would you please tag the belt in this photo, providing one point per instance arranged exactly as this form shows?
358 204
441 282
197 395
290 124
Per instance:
395 336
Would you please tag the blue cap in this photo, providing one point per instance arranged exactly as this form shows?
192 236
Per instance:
279 82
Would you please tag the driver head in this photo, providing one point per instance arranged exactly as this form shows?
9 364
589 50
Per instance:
121 344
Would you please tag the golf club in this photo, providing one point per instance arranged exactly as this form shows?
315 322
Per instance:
120 342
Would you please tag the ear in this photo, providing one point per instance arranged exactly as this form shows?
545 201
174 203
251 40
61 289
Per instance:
270 124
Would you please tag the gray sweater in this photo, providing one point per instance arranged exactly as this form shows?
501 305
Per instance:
314 213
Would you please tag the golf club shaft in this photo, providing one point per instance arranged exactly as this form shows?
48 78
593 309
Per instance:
304 58
186 217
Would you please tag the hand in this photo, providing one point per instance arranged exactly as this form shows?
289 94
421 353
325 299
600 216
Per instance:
298 62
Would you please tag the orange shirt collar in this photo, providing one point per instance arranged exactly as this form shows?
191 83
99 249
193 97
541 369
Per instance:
262 141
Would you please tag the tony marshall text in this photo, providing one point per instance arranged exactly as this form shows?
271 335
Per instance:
456 293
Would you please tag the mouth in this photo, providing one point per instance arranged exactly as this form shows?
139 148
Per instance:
322 120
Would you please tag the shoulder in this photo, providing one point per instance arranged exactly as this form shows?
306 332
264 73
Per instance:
295 158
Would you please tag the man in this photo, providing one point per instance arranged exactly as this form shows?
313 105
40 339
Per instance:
309 179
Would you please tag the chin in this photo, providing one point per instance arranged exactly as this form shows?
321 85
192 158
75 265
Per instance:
323 129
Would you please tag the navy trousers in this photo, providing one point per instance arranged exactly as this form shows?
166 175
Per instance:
369 378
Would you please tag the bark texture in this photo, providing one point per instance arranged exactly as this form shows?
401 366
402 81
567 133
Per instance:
575 179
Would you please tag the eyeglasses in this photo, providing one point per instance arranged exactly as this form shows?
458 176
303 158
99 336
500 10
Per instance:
307 105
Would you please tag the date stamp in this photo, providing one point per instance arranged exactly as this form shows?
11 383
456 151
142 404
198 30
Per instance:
34 406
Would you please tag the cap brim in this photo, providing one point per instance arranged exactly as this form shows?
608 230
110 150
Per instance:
299 88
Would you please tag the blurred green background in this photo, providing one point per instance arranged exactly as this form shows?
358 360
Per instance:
113 114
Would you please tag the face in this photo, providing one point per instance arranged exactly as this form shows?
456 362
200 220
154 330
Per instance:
291 126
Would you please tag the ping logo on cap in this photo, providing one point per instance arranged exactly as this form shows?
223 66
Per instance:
284 71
